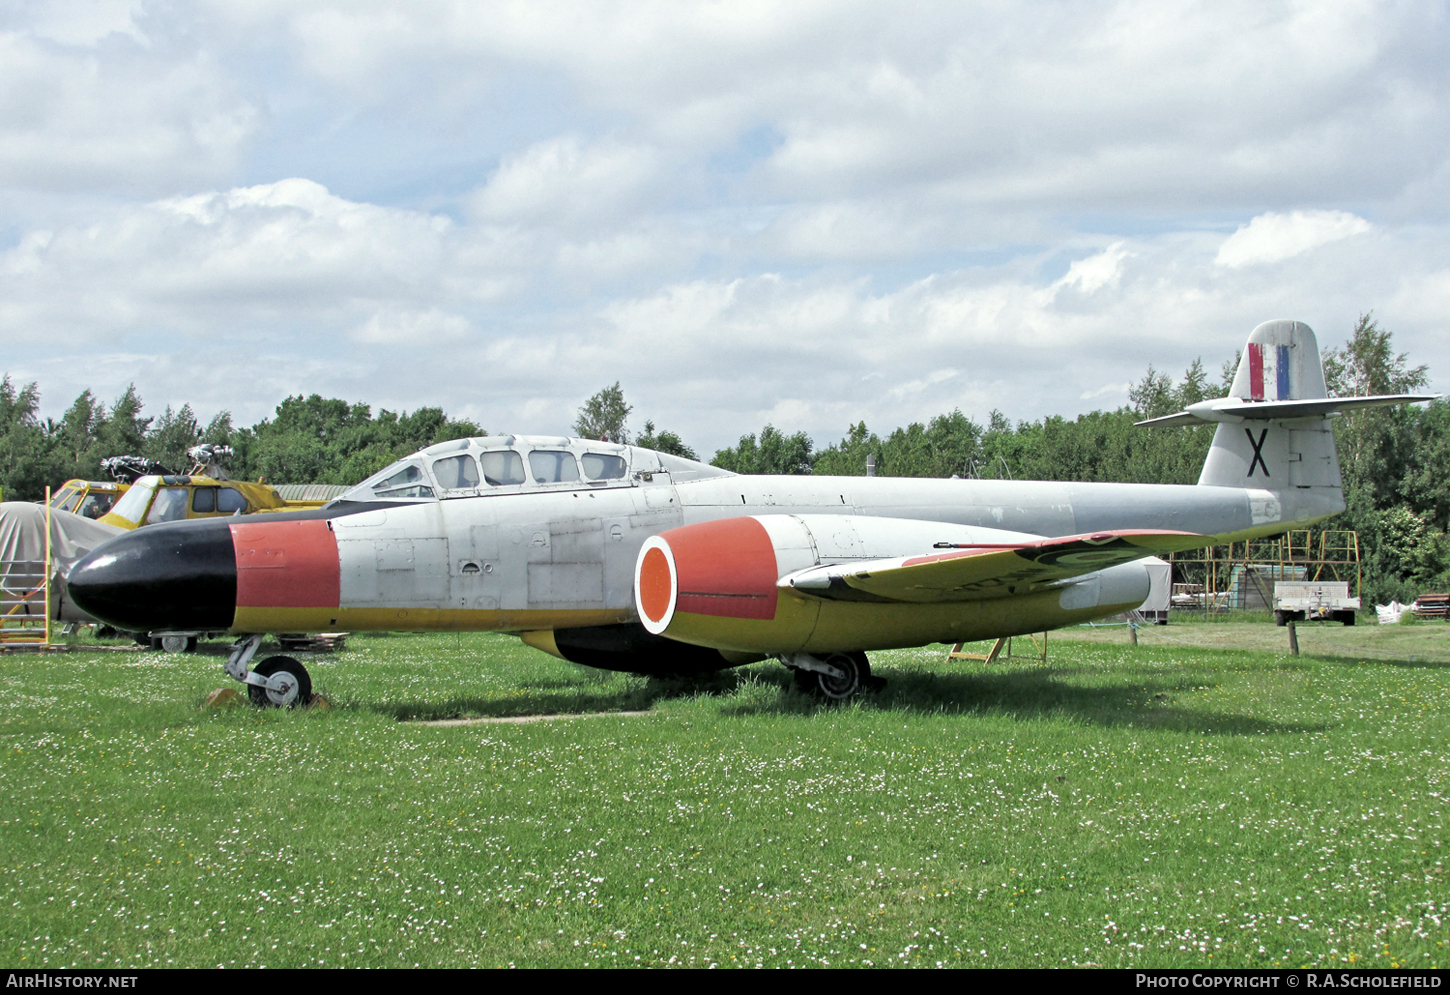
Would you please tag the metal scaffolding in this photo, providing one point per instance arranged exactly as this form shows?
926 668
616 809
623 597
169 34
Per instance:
1240 575
21 582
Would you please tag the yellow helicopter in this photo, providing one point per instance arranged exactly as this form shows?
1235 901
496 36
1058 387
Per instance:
144 492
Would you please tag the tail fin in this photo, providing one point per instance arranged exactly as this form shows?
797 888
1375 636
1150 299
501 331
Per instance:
1274 431
1279 364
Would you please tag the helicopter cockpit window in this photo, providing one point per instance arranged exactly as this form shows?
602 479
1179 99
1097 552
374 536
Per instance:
229 500
170 505
97 504
133 503
550 467
203 500
407 482
502 467
456 473
66 499
598 466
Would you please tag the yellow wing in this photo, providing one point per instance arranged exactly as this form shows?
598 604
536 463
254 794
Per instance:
974 573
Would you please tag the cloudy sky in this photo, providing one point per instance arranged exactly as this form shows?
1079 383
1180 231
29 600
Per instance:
796 212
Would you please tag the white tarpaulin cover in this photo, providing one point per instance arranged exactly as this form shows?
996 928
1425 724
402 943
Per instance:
22 551
1160 584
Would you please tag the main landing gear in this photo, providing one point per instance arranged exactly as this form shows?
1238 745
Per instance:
276 682
836 677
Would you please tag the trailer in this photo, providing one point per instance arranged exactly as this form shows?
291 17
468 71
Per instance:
1314 601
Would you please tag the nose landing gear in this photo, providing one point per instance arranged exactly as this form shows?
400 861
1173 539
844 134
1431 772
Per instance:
276 682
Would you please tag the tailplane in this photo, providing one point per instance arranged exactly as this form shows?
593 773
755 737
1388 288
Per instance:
1274 430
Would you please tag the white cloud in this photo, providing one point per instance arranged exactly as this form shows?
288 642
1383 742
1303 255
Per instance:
563 179
1107 390
1095 272
806 212
1271 238
416 329
85 22
115 117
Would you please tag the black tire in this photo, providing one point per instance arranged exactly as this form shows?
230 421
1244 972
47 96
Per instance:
1280 618
300 692
1347 616
857 676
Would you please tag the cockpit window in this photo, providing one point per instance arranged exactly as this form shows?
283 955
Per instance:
66 499
408 482
550 467
97 504
133 503
456 473
230 500
598 466
170 505
503 467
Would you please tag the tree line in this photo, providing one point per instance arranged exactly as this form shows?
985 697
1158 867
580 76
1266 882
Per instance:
311 440
1395 461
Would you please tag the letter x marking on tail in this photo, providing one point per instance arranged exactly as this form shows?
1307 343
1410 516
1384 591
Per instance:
1258 459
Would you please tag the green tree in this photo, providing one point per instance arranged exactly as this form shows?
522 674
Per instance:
847 458
174 433
25 459
664 441
947 446
331 441
774 453
1427 477
603 416
73 439
122 431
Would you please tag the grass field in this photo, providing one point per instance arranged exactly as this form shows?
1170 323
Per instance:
1203 799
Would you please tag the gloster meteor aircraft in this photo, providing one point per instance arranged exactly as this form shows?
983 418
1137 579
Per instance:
626 559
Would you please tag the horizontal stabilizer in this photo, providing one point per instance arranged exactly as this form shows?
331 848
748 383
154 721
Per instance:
979 572
1228 409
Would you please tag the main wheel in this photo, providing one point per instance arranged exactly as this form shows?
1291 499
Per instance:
856 670
298 689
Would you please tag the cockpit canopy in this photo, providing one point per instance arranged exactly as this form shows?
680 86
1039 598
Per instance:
520 463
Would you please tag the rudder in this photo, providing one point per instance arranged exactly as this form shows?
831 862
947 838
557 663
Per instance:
1279 363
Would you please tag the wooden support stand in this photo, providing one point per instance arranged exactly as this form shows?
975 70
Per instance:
1004 643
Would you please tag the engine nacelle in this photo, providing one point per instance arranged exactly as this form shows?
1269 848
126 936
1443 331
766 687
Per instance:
717 584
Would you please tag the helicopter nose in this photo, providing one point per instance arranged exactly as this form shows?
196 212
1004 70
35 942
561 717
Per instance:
171 576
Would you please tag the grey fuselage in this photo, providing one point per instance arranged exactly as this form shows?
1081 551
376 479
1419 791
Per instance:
554 555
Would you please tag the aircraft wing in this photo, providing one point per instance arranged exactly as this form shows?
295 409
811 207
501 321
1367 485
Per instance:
978 572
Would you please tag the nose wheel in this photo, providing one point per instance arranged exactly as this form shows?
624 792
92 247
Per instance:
287 683
276 682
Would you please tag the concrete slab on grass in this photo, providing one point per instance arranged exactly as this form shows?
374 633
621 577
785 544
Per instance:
521 719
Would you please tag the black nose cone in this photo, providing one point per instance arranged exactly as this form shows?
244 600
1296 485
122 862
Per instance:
175 576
